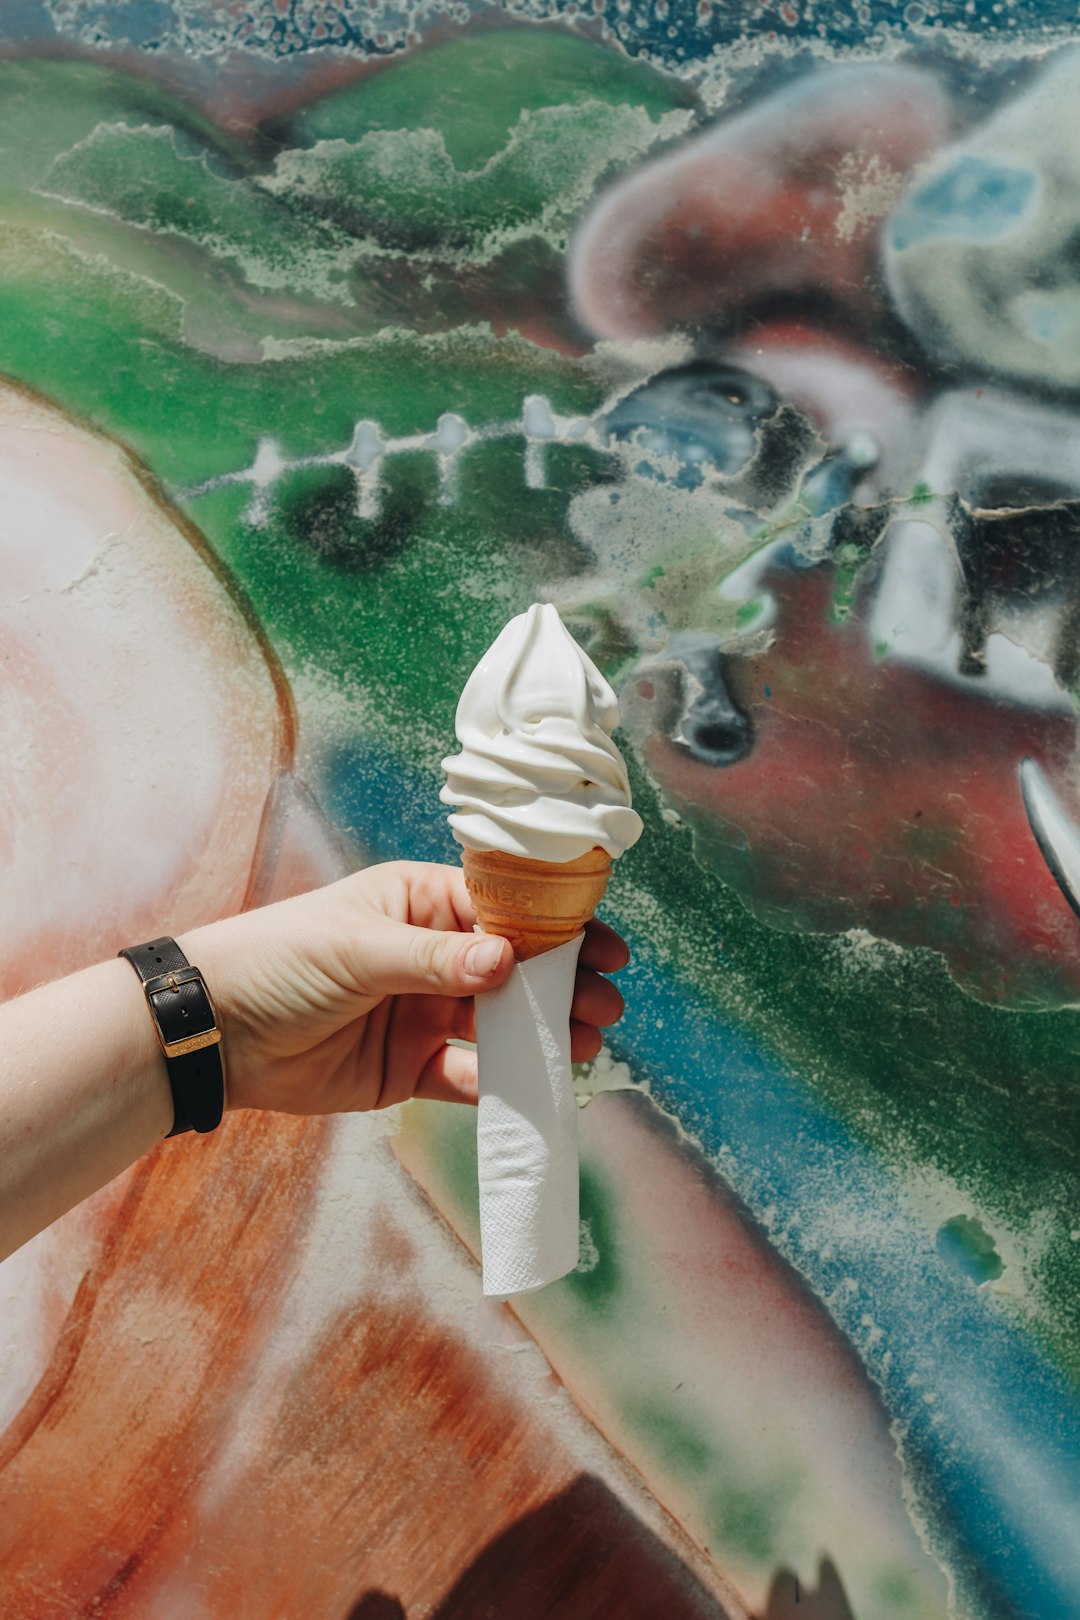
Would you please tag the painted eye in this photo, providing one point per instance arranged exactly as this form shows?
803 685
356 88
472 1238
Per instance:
703 415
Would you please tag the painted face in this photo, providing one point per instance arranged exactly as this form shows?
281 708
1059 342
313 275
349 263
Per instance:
854 598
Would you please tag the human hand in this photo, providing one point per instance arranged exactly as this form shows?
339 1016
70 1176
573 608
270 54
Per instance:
344 999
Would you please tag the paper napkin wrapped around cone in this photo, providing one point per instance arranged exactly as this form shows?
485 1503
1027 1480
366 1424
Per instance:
544 807
527 1132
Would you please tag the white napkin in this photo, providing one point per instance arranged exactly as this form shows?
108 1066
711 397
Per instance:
526 1132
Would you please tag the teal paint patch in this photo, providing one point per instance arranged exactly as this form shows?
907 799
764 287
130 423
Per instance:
976 200
966 1246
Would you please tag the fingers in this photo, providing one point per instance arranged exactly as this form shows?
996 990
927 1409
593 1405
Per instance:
420 892
438 897
585 1041
602 948
450 1076
416 1034
395 958
596 1000
435 896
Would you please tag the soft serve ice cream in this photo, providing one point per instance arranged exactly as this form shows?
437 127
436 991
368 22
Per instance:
538 776
544 807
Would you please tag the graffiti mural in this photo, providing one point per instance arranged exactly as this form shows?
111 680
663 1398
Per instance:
751 338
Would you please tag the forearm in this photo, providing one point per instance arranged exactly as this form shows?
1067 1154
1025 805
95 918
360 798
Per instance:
85 1094
351 997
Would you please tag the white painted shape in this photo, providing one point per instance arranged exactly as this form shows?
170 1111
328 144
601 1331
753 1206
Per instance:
915 604
1053 826
367 445
537 419
269 463
535 466
450 434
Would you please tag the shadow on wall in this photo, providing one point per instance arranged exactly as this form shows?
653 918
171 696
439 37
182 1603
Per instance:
377 1606
789 1600
519 1569
582 1556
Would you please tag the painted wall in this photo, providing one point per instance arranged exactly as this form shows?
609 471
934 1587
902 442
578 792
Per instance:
751 337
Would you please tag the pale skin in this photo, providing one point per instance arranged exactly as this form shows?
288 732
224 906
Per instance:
337 1001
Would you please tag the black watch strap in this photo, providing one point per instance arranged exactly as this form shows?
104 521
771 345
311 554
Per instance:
187 1029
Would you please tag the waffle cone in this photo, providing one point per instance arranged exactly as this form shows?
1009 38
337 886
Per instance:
536 905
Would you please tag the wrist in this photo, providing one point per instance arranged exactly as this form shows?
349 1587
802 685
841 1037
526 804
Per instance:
139 1062
219 954
185 1024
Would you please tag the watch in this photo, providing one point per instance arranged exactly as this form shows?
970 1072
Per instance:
187 1028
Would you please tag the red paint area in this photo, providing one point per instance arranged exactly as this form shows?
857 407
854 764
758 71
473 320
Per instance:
761 206
390 1454
875 795
138 1395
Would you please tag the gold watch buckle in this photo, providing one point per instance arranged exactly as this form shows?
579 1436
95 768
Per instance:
191 1043
187 1043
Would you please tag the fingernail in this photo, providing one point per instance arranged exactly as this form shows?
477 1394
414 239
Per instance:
483 957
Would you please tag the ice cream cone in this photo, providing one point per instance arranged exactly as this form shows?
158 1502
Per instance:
536 905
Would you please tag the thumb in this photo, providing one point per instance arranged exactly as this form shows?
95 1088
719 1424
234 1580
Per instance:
416 961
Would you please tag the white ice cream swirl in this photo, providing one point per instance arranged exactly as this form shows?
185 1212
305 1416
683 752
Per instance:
538 774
